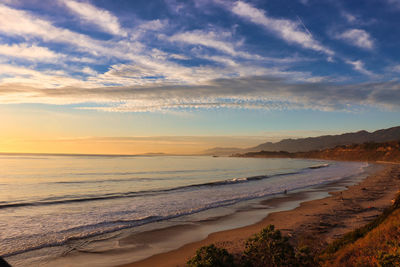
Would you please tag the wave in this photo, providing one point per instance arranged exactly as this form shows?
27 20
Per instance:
145 172
106 181
166 172
129 173
319 166
87 198
109 227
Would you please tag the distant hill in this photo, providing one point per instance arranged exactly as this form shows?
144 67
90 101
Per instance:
224 151
317 143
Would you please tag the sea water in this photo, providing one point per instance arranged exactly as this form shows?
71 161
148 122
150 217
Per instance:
47 201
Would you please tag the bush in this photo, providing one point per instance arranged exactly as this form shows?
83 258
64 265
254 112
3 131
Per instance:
269 248
389 259
211 256
304 257
265 249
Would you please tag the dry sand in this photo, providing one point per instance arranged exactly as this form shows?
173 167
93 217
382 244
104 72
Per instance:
318 221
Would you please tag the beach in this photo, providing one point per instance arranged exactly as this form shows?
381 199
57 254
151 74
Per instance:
312 222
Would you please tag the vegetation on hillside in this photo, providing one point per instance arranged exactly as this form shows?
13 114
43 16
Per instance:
371 151
375 244
211 256
315 143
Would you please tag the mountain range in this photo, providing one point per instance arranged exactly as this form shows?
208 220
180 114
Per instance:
316 143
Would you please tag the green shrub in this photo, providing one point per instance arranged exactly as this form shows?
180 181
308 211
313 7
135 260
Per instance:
268 248
211 256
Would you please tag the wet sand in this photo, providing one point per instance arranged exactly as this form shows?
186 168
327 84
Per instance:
317 221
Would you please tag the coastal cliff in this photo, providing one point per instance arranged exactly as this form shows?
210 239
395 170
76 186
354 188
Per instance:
371 151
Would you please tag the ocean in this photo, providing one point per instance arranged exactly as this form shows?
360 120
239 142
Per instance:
49 202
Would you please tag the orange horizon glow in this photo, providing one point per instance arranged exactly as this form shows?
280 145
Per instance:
124 146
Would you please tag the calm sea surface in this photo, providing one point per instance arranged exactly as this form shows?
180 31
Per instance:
48 200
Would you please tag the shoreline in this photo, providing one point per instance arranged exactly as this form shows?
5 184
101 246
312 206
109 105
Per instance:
313 221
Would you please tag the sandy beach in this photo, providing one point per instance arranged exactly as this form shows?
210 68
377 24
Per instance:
313 222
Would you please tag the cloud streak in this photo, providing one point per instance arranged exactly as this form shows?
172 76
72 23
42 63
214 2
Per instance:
101 18
18 23
358 65
258 92
288 30
30 52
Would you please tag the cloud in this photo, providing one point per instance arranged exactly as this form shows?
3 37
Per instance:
30 52
153 25
304 2
155 69
349 17
358 65
179 56
150 26
144 65
290 31
256 92
35 53
89 71
209 39
394 3
140 73
20 23
11 74
15 22
218 40
395 68
222 41
101 18
358 38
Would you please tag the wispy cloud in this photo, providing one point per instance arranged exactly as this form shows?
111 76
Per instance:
395 68
30 52
220 40
91 14
288 30
14 22
11 75
358 37
209 39
144 66
349 17
394 3
358 65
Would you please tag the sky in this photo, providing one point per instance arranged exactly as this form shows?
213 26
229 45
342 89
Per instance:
130 77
